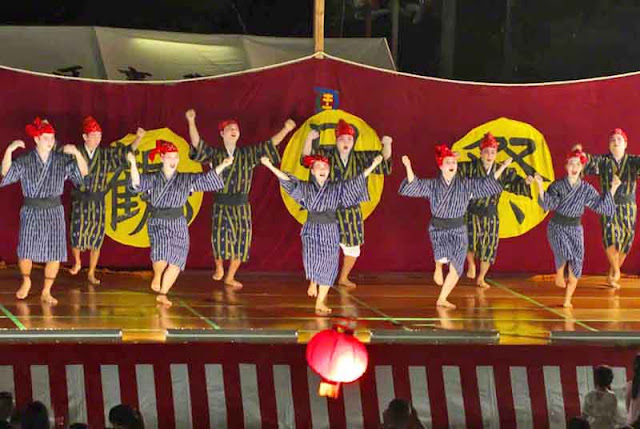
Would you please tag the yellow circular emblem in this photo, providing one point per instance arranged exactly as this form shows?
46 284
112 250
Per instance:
528 148
126 212
325 122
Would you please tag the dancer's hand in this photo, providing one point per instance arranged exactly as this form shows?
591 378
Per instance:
386 140
131 158
529 180
313 134
507 162
615 184
140 132
538 179
15 145
289 124
190 115
376 161
576 146
406 161
266 161
227 162
70 149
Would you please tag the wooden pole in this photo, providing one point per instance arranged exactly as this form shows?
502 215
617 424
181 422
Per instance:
318 28
447 38
395 29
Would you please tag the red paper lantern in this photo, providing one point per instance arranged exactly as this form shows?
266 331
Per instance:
338 357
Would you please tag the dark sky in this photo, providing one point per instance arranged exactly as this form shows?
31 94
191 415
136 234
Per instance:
551 39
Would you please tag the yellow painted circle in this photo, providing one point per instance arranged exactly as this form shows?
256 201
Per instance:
520 138
326 120
130 208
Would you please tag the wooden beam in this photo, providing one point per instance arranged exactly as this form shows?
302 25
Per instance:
318 28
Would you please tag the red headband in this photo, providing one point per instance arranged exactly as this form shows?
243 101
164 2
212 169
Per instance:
618 131
343 128
309 160
488 141
443 151
39 127
577 154
162 147
90 125
224 124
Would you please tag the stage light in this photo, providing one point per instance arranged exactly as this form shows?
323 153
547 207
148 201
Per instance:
232 335
61 335
434 336
610 337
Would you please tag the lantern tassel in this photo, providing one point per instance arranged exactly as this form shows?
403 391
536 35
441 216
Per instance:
329 389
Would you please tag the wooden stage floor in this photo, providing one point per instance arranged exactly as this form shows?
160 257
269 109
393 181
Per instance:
522 309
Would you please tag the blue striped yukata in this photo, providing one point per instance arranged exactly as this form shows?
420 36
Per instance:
564 231
167 227
447 229
321 239
618 229
231 227
42 236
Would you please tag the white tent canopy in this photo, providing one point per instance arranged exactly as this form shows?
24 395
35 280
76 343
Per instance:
120 54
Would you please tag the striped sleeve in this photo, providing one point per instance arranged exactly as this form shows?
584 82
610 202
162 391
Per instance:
365 158
259 150
116 155
293 187
72 172
551 199
146 182
419 188
594 164
15 172
634 161
484 187
206 182
202 153
514 184
601 204
354 191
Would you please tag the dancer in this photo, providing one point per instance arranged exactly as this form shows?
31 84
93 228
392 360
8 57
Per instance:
231 214
346 163
168 191
567 198
483 223
321 233
619 229
88 214
449 196
42 173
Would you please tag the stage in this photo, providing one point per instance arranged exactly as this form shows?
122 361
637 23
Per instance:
523 309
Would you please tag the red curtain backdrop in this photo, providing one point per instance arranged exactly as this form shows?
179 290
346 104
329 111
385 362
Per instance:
417 112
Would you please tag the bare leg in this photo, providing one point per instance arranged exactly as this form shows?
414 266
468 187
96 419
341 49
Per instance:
25 269
347 265
571 287
437 274
560 276
447 287
312 290
94 255
230 279
77 264
50 273
471 265
621 257
219 272
614 271
321 301
484 269
168 279
158 269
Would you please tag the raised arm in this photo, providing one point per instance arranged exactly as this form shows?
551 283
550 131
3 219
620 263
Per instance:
134 175
376 161
547 200
194 135
139 135
211 180
8 155
278 173
412 186
308 142
515 184
603 204
407 166
386 147
277 138
72 150
502 167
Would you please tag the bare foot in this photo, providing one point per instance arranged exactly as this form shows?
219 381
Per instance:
613 283
567 304
482 283
233 284
616 275
322 310
93 279
25 287
560 282
437 277
75 269
312 290
445 304
218 274
347 283
155 286
47 298
471 271
162 299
